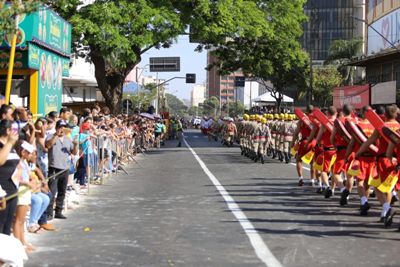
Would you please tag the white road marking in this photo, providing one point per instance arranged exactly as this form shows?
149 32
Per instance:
195 136
260 248
294 164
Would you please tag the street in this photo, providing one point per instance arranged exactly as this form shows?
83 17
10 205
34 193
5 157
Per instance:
171 211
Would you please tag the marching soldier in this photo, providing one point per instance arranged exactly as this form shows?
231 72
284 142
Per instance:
280 132
273 127
289 128
264 138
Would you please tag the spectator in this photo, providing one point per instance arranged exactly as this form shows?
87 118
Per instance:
85 141
8 164
6 113
65 114
60 148
26 184
40 198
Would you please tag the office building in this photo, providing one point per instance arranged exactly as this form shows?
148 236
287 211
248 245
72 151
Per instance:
331 20
198 95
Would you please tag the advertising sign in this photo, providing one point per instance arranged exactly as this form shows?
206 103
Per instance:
357 96
383 93
50 67
44 27
389 27
20 61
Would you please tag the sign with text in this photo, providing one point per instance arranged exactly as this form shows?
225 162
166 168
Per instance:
165 64
357 96
45 28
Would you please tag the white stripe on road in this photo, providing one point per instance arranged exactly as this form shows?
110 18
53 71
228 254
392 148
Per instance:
261 249
294 164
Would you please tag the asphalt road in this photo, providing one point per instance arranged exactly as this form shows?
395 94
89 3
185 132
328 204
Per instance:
168 212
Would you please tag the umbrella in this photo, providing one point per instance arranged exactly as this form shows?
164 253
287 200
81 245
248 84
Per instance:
147 115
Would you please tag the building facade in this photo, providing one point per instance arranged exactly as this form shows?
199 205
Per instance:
382 57
220 86
198 95
331 20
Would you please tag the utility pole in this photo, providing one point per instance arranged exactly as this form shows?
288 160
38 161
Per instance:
313 31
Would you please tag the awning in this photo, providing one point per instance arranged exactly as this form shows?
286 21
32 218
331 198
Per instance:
267 97
384 56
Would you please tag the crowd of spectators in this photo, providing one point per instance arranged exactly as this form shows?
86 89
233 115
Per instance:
44 159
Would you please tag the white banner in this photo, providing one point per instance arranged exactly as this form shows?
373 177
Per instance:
383 93
389 27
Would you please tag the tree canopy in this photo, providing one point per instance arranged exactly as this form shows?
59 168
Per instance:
341 52
175 105
114 34
276 55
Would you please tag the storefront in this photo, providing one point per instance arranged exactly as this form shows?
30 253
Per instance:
42 58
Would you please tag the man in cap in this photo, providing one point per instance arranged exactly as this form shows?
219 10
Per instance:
60 147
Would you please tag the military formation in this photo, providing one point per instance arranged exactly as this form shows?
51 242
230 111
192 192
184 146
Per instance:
344 151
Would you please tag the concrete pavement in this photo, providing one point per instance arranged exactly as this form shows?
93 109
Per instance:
168 213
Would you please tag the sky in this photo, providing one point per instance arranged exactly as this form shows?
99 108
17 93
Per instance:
191 62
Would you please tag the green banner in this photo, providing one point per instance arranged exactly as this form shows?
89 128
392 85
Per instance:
51 69
44 27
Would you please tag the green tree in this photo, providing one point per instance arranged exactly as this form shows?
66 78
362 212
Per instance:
341 53
9 11
211 106
114 34
325 79
235 109
142 99
195 111
175 105
276 55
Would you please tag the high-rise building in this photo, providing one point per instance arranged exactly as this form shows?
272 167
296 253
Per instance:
331 20
198 95
220 86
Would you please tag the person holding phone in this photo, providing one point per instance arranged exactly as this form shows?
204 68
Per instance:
60 147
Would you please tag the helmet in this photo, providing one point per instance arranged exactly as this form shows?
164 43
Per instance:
252 117
282 116
246 117
263 120
265 115
276 116
258 118
271 116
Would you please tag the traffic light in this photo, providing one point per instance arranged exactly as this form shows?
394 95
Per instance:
240 81
190 78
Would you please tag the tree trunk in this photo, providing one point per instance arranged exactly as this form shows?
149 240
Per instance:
110 83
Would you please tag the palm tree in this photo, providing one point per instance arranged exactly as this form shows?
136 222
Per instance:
343 52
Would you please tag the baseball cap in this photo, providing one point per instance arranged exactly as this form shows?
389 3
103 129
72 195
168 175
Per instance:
61 123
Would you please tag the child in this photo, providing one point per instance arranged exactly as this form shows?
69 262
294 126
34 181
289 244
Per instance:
26 184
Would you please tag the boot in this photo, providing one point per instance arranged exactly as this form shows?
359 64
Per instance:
255 157
262 158
287 158
280 156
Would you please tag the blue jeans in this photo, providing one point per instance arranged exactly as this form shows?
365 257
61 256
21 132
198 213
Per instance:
39 204
43 218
